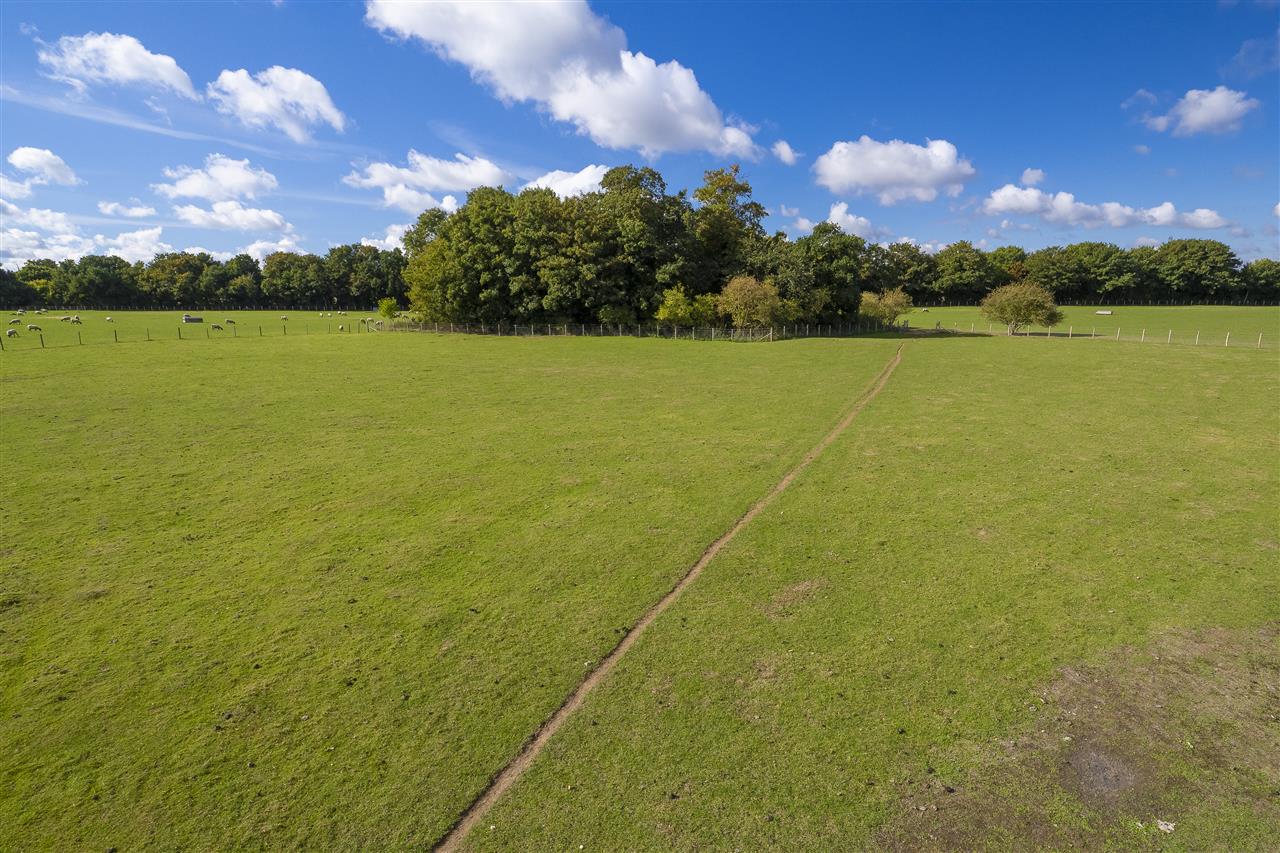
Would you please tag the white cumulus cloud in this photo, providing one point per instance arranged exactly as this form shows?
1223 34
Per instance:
851 223
1032 177
232 215
894 170
43 166
574 65
393 238
137 210
1062 209
221 178
259 249
410 187
286 98
36 217
565 184
1217 110
784 152
111 58
141 245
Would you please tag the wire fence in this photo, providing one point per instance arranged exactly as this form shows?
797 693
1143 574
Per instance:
638 330
48 332
1240 339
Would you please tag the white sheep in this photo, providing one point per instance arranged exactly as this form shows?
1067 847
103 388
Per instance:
15 321
76 321
66 318
341 328
10 333
32 327
109 320
283 317
215 327
229 321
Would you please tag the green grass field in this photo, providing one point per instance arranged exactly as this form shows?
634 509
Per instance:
1160 323
137 326
314 591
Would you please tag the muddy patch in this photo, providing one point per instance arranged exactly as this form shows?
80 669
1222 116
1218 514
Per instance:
1140 750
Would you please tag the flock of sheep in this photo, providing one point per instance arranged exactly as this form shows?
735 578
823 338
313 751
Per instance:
31 327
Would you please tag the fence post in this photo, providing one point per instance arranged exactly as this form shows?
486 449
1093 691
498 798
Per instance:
1197 337
42 342
1144 337
1259 340
1169 340
1117 333
1227 342
259 331
179 333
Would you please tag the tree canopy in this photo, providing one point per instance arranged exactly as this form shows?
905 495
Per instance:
615 255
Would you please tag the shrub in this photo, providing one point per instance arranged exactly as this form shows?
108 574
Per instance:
751 303
1023 304
885 307
675 309
387 307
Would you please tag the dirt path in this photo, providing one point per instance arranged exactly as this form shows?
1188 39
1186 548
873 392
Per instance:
511 773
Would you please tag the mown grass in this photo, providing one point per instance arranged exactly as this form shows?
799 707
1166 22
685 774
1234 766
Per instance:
1004 508
314 591
1207 324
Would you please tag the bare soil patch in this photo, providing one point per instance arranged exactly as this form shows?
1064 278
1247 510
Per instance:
1137 751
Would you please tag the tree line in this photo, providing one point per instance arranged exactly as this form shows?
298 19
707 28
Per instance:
350 276
620 254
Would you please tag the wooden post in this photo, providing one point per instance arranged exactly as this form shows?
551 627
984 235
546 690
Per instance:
179 333
1197 337
1259 340
259 331
1117 333
1144 337
1169 340
1070 331
1227 342
42 342
149 333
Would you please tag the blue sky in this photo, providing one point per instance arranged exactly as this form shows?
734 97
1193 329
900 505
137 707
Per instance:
135 128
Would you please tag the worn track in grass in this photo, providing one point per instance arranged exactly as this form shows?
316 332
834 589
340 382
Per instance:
514 769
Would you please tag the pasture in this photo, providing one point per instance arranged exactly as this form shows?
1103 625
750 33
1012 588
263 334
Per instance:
1206 324
104 327
316 590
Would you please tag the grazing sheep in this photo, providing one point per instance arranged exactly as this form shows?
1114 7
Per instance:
66 318
15 320
215 327
76 321
109 320
10 333
341 328
229 321
32 327
342 313
20 311
283 317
